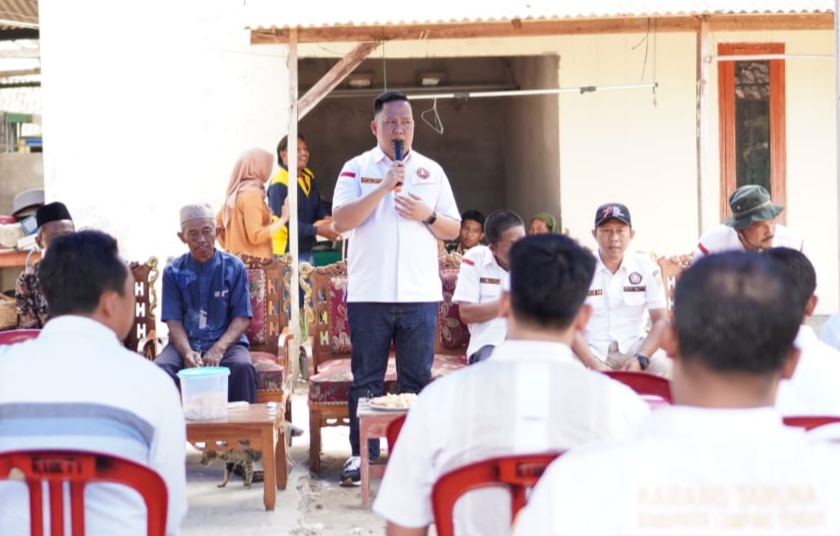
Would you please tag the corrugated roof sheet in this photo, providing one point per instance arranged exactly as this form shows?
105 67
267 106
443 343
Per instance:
24 12
265 14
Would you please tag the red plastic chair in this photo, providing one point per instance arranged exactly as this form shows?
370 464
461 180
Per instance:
517 473
78 469
393 431
14 336
810 422
643 383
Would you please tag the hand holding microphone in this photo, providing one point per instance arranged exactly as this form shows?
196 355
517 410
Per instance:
398 156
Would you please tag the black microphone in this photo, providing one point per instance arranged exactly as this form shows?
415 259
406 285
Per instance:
398 156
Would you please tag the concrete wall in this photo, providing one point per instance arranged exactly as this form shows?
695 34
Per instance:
533 163
19 172
164 123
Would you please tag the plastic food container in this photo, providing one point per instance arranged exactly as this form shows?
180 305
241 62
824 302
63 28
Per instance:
204 392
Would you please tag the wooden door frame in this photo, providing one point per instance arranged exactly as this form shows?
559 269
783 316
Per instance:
726 106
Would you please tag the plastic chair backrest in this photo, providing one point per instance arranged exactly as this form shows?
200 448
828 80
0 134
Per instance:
14 336
810 422
643 383
393 431
517 473
77 469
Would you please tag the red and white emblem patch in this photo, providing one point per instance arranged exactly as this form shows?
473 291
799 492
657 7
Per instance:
423 173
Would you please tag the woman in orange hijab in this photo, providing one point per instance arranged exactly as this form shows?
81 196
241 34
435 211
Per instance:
245 219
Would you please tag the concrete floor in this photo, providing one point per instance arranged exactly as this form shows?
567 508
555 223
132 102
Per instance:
311 505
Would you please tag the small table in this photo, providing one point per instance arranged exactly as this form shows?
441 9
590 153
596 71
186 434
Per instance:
264 429
372 423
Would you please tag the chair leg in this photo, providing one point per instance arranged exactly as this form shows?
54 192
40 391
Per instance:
314 439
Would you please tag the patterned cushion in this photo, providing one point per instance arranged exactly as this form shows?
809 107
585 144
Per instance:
339 328
332 383
269 372
453 333
257 330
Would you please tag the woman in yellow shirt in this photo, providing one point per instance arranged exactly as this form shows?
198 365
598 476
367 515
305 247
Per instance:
245 219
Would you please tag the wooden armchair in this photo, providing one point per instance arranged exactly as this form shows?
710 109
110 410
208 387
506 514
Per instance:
143 336
671 268
268 333
328 360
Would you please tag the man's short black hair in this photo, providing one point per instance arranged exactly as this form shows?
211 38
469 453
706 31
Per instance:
387 96
77 269
473 215
549 279
498 222
284 144
798 269
734 312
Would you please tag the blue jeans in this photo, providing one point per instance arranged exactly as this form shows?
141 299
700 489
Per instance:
372 328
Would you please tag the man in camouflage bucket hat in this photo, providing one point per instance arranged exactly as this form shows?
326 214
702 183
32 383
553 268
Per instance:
750 227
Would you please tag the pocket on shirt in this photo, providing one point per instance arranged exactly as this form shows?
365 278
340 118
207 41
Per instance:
634 298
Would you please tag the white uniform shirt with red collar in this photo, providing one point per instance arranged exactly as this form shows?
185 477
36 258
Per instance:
480 281
392 259
814 388
693 471
527 397
620 302
725 238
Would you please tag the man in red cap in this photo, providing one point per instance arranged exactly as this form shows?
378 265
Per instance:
32 312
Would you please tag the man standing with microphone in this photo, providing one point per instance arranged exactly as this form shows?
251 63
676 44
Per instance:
397 203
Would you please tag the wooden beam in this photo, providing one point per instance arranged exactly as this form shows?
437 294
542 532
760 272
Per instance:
329 81
537 28
14 34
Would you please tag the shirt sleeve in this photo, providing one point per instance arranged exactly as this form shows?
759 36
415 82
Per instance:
348 186
405 495
655 291
172 304
467 289
277 193
445 204
252 207
166 454
240 300
829 334
27 308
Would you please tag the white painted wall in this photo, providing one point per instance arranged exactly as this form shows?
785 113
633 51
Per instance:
621 146
146 107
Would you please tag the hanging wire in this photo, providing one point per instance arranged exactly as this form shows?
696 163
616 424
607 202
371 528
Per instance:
384 69
436 124
655 48
646 41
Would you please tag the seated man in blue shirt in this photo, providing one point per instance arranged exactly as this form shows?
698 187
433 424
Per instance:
207 308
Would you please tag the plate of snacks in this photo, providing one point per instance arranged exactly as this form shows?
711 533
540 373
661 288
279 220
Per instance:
392 402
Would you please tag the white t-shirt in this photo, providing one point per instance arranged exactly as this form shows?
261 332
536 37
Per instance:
480 281
725 238
76 360
528 397
392 259
830 332
620 302
814 388
693 471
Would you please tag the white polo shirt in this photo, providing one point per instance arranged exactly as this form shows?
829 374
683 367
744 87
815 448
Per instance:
814 388
725 238
620 301
480 281
693 471
392 259
830 332
76 360
527 397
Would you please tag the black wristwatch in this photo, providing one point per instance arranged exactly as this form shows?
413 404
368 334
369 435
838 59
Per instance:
644 361
432 219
